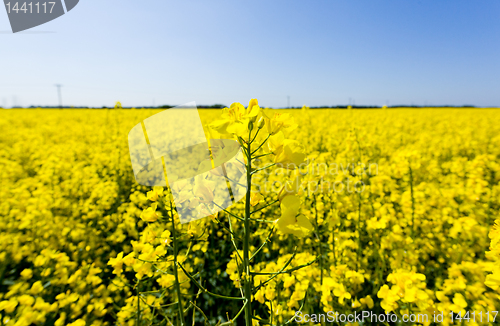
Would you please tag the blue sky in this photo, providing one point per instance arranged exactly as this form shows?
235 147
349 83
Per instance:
317 52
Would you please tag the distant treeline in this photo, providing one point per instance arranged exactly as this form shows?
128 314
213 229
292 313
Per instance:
220 106
215 106
391 106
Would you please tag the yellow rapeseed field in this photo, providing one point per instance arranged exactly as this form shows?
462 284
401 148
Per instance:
389 211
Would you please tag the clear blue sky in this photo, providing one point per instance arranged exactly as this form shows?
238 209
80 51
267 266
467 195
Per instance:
317 52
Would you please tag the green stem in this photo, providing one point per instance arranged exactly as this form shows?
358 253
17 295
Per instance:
263 168
228 212
300 309
255 151
283 271
234 242
246 242
3 269
263 244
254 136
231 322
255 211
333 246
358 256
201 311
259 156
138 304
176 274
412 205
488 215
318 237
205 290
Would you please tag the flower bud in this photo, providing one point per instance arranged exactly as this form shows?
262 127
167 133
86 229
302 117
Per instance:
261 123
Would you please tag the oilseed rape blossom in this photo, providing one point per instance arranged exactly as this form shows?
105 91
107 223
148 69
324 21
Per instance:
83 244
493 279
235 119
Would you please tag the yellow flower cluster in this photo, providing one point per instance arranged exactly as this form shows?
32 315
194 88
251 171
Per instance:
67 204
384 210
493 280
408 287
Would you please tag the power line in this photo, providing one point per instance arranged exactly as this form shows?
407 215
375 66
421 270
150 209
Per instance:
59 94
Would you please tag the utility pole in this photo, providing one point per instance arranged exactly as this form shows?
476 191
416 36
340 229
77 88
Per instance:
59 94
288 101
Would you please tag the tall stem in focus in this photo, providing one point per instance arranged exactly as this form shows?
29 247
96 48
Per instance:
177 285
138 317
412 205
246 240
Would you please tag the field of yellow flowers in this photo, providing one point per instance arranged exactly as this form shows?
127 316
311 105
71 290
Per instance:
392 211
